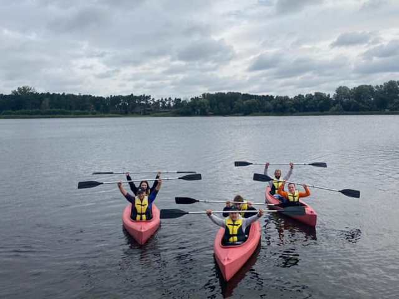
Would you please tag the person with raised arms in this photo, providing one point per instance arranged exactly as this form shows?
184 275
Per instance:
234 225
143 184
142 202
291 198
239 203
277 181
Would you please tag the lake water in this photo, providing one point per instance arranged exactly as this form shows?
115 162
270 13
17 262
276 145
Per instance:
60 242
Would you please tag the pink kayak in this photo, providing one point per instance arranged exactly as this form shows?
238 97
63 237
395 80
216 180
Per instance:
231 258
310 217
141 231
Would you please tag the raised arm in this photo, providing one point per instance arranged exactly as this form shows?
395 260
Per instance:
306 193
131 184
124 193
248 221
281 190
155 184
288 175
266 168
215 219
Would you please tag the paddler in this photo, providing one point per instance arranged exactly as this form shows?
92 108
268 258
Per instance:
241 205
291 198
234 225
143 184
142 202
277 181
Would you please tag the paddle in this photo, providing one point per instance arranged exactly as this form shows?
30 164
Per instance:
176 213
189 200
348 192
112 172
245 163
91 184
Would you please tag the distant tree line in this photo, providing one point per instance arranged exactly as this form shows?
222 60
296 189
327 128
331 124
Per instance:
363 98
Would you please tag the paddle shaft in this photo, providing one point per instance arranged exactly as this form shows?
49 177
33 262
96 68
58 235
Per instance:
204 212
125 182
278 164
234 202
125 172
312 186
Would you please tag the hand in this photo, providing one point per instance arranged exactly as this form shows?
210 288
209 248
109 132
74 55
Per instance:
159 173
267 164
305 186
159 181
228 204
291 165
127 173
260 213
249 203
119 184
209 212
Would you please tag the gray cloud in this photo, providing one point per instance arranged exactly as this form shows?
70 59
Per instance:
352 39
183 48
383 65
206 49
390 49
265 61
372 5
292 6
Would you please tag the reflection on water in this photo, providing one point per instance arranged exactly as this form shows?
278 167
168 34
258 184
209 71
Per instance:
352 235
290 235
291 230
227 288
71 245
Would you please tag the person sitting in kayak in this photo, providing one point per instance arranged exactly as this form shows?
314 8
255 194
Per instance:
234 225
143 184
277 181
291 198
241 206
142 202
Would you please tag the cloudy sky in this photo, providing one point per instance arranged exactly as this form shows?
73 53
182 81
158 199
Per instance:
182 48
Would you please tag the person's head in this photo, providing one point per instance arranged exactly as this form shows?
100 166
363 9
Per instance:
277 173
238 198
141 193
234 215
145 185
291 187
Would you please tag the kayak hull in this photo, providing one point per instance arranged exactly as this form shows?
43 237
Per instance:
141 231
310 217
230 259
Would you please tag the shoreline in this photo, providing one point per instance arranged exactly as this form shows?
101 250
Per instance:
22 116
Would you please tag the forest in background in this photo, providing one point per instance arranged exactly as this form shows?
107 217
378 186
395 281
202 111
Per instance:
26 101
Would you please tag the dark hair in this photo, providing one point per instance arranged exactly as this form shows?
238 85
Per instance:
238 198
148 191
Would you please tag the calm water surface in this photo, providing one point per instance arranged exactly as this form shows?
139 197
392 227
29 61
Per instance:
60 242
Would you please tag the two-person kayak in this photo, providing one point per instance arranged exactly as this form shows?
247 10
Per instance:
309 218
141 231
231 258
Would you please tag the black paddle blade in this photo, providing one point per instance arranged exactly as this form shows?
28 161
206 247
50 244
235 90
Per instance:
241 163
185 200
191 177
186 172
293 211
318 164
88 184
350 193
262 178
103 172
172 213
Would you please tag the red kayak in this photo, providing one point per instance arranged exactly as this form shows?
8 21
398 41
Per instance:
310 217
231 258
141 231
